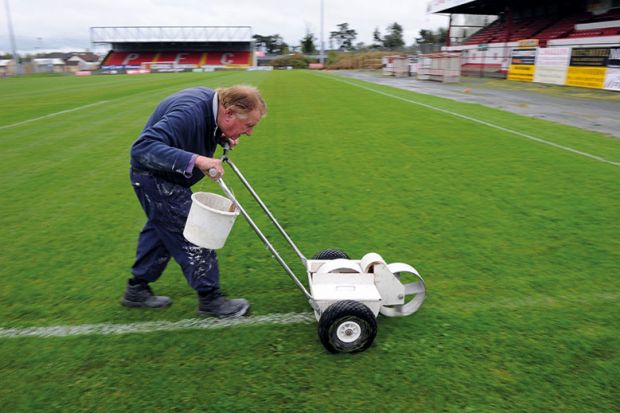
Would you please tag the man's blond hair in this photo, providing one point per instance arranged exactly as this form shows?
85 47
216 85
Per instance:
242 99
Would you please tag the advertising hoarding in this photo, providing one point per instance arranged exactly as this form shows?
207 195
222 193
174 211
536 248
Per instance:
588 67
522 66
612 77
552 65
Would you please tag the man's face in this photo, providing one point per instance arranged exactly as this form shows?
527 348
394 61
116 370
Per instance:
233 126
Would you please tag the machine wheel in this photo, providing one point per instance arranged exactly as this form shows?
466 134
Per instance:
415 291
330 254
347 327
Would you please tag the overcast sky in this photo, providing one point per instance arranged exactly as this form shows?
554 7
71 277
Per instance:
64 24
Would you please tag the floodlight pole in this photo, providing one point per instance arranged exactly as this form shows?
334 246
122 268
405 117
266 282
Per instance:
18 67
322 57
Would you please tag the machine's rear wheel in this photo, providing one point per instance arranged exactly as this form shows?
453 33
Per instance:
330 254
415 291
347 327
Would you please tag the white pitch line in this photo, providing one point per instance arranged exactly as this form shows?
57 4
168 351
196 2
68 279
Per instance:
491 125
12 125
152 326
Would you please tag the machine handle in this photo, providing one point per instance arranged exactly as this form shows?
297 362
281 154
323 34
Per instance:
224 157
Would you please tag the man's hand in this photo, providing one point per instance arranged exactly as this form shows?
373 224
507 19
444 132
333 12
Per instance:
231 142
205 164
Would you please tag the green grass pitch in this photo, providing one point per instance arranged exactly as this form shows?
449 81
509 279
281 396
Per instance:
518 242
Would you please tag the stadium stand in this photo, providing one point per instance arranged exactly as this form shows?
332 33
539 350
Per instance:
562 27
137 59
528 28
531 20
486 34
542 28
175 48
613 31
526 24
127 59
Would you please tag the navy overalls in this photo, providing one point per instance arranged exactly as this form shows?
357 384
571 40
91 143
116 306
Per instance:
182 125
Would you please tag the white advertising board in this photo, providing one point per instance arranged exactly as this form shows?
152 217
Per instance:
552 65
612 77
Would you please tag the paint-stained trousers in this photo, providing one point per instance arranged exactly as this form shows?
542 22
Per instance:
166 206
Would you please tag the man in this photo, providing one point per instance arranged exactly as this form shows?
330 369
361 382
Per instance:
173 152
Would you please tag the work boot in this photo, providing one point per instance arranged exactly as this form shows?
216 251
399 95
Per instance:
215 304
139 294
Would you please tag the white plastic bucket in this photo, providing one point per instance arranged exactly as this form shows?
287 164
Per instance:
209 221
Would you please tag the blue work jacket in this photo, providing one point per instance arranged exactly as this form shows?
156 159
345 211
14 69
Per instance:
183 124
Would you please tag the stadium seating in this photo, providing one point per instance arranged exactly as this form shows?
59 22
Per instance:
562 27
609 31
127 58
525 28
528 28
485 34
191 58
545 28
184 58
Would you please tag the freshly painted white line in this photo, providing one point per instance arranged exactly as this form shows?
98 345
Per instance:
152 326
12 125
471 119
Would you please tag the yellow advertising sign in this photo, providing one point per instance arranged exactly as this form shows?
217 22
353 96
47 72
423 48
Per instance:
524 73
522 65
584 76
526 43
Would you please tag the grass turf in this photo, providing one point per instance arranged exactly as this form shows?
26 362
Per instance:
517 241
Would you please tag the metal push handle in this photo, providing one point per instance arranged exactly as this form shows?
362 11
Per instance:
267 211
260 234
224 157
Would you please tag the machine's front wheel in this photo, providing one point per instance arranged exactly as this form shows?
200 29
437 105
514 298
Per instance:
347 327
330 254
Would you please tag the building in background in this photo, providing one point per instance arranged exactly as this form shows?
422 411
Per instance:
7 67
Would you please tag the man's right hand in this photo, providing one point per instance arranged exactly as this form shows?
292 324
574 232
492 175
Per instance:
205 164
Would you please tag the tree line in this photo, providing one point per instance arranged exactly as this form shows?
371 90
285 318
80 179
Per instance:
344 39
